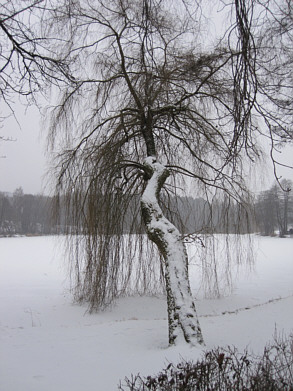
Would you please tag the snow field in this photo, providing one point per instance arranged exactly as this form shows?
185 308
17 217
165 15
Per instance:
47 343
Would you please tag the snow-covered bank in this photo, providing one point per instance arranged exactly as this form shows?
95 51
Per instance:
49 344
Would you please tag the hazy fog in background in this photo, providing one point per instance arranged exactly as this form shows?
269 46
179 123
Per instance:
24 162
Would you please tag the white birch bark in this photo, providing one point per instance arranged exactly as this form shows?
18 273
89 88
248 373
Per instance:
182 314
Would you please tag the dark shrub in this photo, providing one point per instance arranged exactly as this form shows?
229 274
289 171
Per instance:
225 370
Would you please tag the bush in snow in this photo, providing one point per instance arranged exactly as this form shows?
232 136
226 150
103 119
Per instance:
225 370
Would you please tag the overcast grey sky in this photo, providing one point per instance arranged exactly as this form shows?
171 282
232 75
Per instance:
25 162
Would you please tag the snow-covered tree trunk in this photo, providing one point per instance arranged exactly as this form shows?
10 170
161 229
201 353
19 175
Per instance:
182 316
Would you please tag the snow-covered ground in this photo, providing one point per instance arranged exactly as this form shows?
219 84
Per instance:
47 343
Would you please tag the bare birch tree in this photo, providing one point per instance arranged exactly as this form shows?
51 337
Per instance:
148 107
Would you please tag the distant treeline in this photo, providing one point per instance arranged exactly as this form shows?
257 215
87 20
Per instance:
274 209
27 214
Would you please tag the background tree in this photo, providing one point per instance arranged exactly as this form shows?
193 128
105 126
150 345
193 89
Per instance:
26 214
283 197
6 213
274 209
27 61
266 213
274 68
29 68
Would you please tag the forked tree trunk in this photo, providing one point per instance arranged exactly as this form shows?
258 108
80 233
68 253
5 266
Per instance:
182 316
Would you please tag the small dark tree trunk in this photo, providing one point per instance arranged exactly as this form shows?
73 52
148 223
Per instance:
182 316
